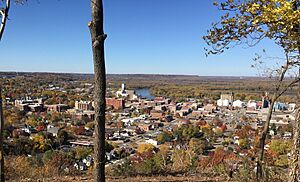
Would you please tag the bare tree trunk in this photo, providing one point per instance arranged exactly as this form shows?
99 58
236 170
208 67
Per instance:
2 178
98 37
4 15
279 90
262 139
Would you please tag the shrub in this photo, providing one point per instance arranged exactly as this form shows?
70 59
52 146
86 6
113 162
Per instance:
148 167
280 147
124 169
82 152
144 148
47 155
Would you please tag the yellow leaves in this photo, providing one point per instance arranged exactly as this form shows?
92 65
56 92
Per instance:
253 8
277 15
255 5
39 142
255 19
206 127
145 147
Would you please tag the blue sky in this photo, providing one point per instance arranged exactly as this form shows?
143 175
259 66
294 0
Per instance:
144 36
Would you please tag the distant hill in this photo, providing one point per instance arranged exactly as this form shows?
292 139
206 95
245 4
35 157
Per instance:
130 76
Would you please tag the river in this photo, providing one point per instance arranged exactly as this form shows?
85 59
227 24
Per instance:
144 93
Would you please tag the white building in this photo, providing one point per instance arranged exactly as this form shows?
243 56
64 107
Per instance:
251 103
152 142
291 106
223 102
130 94
238 103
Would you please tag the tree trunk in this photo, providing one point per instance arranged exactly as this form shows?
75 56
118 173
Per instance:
262 140
4 15
294 160
2 179
98 37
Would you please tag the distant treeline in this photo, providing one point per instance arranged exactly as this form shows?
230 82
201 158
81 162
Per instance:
174 86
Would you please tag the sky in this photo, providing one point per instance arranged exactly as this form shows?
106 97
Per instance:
144 37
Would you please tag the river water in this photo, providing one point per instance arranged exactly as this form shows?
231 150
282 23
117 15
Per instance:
144 93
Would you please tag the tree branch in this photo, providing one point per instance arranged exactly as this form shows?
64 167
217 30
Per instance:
287 87
2 10
4 15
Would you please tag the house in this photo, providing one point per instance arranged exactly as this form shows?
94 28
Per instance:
210 108
160 108
156 115
53 130
238 104
173 108
159 100
291 106
145 127
184 122
29 129
186 109
130 121
251 105
152 142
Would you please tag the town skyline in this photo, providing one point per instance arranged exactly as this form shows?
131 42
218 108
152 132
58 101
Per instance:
148 118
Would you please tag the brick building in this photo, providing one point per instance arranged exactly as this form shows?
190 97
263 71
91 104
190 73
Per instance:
57 107
117 104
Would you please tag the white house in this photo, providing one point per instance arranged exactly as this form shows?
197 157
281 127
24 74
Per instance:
152 142
238 103
130 121
251 103
291 106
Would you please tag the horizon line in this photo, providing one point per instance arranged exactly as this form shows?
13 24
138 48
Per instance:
160 74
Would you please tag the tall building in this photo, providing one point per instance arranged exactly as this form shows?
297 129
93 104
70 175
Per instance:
265 102
225 100
229 97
